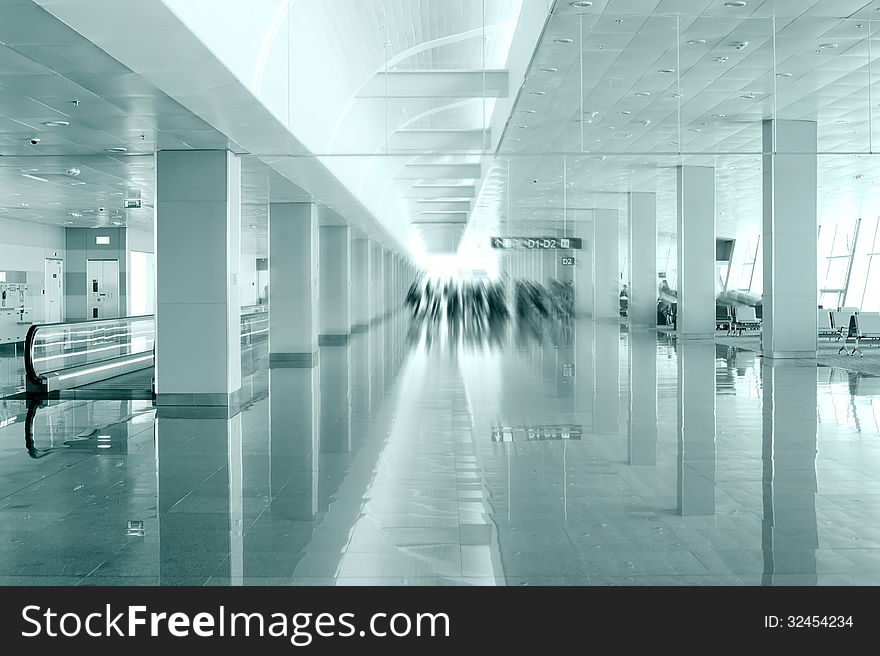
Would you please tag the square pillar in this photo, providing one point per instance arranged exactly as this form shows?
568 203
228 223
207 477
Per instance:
333 291
293 285
696 251
789 232
642 260
583 271
198 309
606 275
388 286
377 281
642 429
360 284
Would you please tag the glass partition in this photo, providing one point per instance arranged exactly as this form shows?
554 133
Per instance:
59 346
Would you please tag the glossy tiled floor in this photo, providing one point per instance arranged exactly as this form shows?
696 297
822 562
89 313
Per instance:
578 455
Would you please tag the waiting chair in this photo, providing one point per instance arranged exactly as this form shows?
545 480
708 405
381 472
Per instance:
744 318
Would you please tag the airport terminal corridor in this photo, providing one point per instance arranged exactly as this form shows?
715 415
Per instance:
421 453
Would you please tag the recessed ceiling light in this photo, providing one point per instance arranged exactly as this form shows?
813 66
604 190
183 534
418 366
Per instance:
696 42
748 96
735 4
581 4
783 75
117 149
625 112
117 223
522 127
34 177
23 205
549 69
646 122
666 70
76 182
740 45
626 135
75 215
539 93
610 127
563 40
721 59
695 130
677 95
718 115
56 124
828 46
841 122
642 94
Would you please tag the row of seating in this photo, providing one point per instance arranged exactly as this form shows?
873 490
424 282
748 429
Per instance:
834 323
860 326
736 319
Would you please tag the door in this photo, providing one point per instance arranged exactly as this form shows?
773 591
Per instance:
102 277
54 290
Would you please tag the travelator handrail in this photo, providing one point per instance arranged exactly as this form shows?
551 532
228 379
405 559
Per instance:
106 346
92 346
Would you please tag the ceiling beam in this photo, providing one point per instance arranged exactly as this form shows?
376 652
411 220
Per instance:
440 205
440 172
441 191
440 218
436 84
421 140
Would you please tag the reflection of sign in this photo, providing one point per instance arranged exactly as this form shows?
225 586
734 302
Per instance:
536 433
542 243
567 261
568 371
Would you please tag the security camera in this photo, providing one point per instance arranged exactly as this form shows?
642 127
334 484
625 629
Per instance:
101 209
73 171
35 141
535 181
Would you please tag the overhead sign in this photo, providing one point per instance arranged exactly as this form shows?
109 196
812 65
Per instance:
567 261
132 203
542 243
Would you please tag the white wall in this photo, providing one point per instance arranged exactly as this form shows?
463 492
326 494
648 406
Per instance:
24 246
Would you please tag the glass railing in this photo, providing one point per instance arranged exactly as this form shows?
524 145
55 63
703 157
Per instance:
254 323
57 347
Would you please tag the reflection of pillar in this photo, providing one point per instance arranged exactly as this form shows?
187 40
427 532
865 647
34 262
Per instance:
360 284
790 535
696 427
334 294
360 386
789 239
199 464
607 388
642 260
642 436
234 462
377 368
294 400
583 370
696 251
293 284
335 399
198 314
606 274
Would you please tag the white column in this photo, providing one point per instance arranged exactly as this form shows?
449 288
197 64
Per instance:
388 287
696 427
360 284
642 260
696 251
583 271
789 239
377 281
334 292
606 276
198 310
293 285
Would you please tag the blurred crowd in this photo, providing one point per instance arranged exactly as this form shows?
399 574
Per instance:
478 309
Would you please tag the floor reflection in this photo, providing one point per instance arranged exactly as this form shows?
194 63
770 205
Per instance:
584 454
